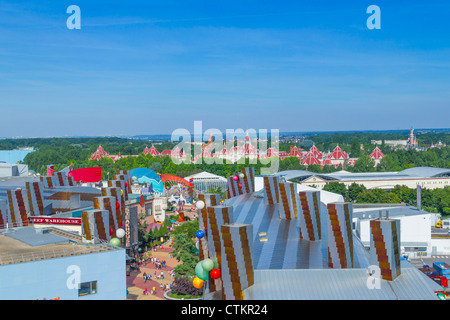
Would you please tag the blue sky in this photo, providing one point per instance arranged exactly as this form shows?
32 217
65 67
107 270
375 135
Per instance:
148 67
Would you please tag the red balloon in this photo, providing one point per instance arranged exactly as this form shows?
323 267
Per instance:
214 274
126 185
240 185
117 205
110 231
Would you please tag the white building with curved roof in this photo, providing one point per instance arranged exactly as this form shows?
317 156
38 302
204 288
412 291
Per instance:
426 177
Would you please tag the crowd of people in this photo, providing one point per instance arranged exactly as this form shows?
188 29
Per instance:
158 264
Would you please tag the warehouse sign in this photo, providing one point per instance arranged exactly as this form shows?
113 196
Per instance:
50 220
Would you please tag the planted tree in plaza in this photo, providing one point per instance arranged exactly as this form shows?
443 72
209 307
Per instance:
184 249
183 286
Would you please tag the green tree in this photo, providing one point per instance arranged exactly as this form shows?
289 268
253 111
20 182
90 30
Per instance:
364 164
336 187
355 149
184 250
354 190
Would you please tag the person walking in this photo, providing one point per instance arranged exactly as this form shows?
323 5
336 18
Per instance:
145 277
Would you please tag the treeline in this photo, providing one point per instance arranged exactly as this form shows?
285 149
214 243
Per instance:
433 200
394 161
62 152
162 165
326 141
400 160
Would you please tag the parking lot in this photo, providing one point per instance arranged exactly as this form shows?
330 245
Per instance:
421 261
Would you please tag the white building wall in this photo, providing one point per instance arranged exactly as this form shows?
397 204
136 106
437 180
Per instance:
440 246
413 229
426 183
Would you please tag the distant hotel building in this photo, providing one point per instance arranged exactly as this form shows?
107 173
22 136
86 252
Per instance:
336 158
426 177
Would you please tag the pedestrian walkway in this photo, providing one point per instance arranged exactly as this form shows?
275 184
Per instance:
136 284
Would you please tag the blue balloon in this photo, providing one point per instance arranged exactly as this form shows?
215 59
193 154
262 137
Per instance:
200 234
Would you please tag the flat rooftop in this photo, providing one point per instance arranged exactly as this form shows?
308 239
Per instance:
27 244
412 173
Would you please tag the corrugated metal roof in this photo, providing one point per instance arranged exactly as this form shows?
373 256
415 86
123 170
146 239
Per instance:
426 172
411 173
284 249
288 268
373 213
338 284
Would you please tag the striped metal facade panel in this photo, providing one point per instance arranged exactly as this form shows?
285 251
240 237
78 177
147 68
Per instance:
58 179
119 184
288 201
271 193
385 247
210 200
18 208
237 262
309 215
4 214
340 235
248 182
95 225
233 189
128 178
217 217
35 192
109 204
115 192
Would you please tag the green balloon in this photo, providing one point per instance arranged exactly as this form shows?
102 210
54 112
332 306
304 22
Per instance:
115 242
208 265
216 265
200 272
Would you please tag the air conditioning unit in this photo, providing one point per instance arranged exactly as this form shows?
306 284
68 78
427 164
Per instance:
42 231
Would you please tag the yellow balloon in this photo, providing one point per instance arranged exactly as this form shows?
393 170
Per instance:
198 283
121 192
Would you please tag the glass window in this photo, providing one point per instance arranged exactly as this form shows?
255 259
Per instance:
87 288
